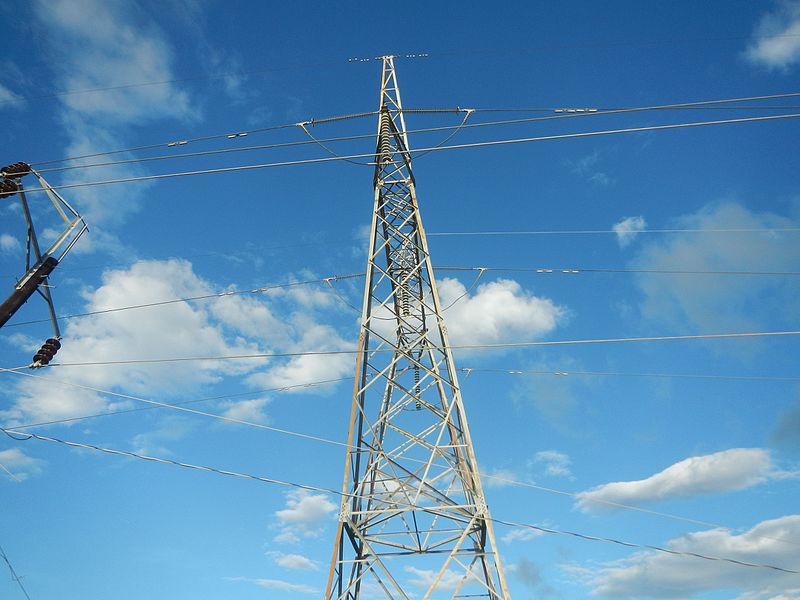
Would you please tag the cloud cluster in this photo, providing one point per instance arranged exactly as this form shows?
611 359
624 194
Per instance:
776 39
218 326
720 472
655 575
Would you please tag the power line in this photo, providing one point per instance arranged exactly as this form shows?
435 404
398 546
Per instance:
191 298
285 388
568 373
14 575
25 436
605 231
564 114
714 336
301 435
416 151
578 270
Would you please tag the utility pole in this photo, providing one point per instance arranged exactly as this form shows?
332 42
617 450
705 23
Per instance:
413 520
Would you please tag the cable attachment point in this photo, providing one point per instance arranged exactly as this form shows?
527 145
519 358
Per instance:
46 353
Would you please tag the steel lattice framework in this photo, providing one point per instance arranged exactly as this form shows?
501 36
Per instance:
414 513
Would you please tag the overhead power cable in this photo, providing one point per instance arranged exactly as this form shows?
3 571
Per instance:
570 373
605 231
21 436
14 575
501 479
282 389
578 270
257 290
566 114
712 336
485 144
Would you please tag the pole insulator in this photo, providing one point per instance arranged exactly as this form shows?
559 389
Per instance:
47 352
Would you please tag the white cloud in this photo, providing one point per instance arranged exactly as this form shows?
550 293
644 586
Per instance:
721 303
293 561
247 410
497 478
655 575
17 465
726 471
498 311
521 535
305 514
586 167
9 244
278 584
628 228
776 39
556 464
9 99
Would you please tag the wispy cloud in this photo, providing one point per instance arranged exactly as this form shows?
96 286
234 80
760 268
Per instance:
776 39
555 463
278 584
19 466
9 99
727 471
628 228
653 575
721 303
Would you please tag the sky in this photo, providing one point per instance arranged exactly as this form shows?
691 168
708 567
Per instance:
692 446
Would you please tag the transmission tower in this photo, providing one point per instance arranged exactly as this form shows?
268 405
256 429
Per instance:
413 515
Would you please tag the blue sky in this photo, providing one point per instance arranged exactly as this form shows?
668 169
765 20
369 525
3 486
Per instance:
697 464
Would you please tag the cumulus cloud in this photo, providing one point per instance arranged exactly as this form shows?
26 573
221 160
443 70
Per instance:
19 466
304 515
450 580
498 311
726 471
556 464
655 575
776 39
179 329
721 303
628 228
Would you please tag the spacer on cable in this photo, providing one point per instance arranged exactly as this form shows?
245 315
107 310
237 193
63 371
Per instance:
17 169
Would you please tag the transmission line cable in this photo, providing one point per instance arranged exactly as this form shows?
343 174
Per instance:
491 143
155 405
463 125
185 402
190 298
14 575
602 231
26 436
569 373
711 336
579 270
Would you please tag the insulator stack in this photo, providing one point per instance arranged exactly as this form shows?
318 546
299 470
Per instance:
17 169
46 352
386 133
10 173
8 187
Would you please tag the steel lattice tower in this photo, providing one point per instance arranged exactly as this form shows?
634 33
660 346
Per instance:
413 513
